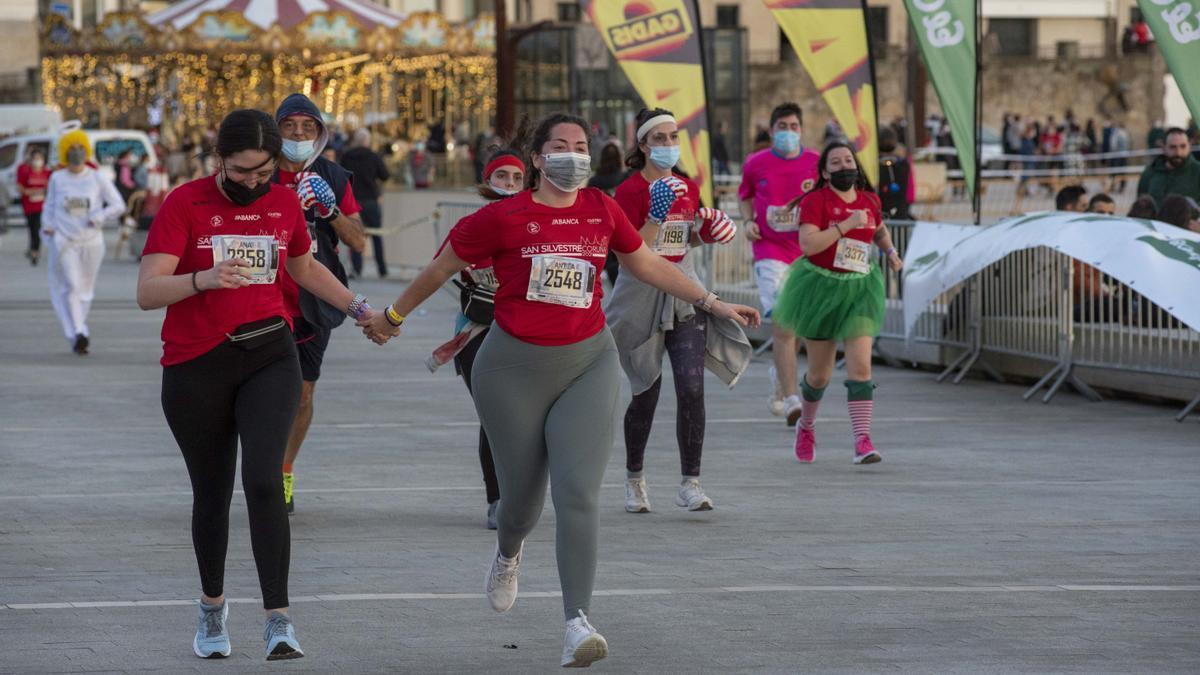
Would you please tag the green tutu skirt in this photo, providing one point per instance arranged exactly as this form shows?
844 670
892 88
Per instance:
820 304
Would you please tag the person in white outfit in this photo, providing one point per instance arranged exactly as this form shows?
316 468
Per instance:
78 201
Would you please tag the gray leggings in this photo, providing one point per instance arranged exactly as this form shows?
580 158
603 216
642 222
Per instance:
548 412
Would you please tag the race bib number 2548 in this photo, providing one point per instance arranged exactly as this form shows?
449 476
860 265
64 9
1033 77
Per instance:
561 281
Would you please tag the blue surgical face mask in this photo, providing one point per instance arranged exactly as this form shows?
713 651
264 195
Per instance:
298 151
501 191
664 156
786 142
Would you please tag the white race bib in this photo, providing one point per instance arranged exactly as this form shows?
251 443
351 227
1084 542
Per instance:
673 237
259 253
77 207
485 277
783 219
853 255
561 281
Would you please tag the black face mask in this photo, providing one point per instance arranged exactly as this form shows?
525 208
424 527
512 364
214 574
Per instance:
843 180
240 194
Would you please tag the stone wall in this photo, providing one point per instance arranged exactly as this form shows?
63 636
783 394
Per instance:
1026 86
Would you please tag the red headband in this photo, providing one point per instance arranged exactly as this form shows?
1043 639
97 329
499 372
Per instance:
504 160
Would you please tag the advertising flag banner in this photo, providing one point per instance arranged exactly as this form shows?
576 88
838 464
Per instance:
945 30
1176 28
830 37
657 43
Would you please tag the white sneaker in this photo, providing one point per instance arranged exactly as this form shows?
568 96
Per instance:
693 497
775 402
792 403
582 646
501 582
636 499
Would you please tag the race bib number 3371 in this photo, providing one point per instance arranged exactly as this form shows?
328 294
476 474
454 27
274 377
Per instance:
561 281
259 253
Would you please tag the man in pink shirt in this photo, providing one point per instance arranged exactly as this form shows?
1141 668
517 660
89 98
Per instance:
771 179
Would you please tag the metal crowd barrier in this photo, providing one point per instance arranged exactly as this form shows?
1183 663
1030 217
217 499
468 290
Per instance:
1036 303
447 214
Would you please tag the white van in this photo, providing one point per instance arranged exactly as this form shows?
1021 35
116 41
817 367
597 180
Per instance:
22 118
107 145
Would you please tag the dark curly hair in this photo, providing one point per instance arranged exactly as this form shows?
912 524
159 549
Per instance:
541 135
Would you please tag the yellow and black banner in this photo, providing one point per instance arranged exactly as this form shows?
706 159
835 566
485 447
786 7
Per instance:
830 37
657 43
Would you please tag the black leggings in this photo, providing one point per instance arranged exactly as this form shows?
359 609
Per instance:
34 222
464 360
686 346
210 402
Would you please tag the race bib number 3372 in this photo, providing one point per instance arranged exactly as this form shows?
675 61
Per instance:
259 253
853 256
561 281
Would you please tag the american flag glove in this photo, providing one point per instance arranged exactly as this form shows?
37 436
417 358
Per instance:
314 191
663 193
716 227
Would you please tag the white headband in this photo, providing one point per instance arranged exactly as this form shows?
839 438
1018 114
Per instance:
651 123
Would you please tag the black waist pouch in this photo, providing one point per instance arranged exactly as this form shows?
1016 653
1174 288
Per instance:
251 336
478 303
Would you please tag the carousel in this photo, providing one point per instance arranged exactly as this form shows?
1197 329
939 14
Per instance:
187 65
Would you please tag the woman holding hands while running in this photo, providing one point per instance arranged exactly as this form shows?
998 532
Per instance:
546 378
835 293
230 370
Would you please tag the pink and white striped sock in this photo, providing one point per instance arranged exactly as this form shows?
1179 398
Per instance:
808 413
860 417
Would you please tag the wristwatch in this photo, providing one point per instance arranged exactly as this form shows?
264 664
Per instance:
707 301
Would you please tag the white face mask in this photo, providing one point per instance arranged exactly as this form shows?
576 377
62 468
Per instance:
501 191
298 151
567 171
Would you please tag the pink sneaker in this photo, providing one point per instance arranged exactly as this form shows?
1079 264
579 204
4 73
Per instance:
864 451
806 443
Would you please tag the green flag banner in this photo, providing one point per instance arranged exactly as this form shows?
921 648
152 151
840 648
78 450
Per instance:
1176 28
945 29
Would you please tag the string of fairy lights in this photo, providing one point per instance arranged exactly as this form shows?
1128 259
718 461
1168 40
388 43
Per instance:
402 92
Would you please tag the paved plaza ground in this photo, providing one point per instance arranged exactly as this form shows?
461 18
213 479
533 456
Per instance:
997 536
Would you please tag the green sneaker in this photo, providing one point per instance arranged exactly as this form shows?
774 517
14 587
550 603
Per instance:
289 480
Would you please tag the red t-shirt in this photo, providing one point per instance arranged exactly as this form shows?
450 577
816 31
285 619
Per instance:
184 227
514 232
824 208
28 178
347 205
477 271
634 197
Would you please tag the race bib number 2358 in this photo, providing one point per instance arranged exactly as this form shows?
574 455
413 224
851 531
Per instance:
259 253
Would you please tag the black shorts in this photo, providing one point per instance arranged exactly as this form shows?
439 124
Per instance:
311 343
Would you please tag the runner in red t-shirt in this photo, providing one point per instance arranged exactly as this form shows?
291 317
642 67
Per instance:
835 293
230 372
32 179
546 378
646 323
